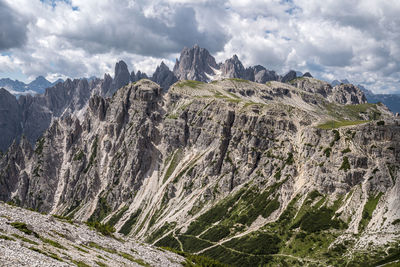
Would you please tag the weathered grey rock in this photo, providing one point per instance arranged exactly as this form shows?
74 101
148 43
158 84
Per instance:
291 75
194 63
262 75
72 244
163 76
10 119
138 76
121 76
307 74
233 68
347 94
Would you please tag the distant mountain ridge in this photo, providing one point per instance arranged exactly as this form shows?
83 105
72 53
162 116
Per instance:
392 101
20 88
35 112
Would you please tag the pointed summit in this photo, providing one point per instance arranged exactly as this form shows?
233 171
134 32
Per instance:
138 76
163 76
194 64
233 68
121 77
289 76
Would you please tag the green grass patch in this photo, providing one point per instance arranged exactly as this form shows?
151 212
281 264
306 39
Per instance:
239 80
101 264
216 233
193 244
162 230
48 254
80 263
133 259
4 237
368 210
101 211
345 164
24 228
319 219
39 146
337 124
127 227
93 155
80 249
109 250
24 239
52 243
63 218
196 260
172 165
168 241
105 229
257 243
79 156
189 83
117 216
347 150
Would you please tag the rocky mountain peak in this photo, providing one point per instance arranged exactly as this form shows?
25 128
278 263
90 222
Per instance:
138 76
233 68
289 76
121 76
347 94
163 76
194 63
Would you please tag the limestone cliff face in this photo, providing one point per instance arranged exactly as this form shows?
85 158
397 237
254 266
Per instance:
240 158
10 117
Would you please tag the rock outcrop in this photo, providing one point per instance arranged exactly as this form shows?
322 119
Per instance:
291 75
262 75
29 238
194 64
10 118
163 76
138 76
233 68
121 77
347 94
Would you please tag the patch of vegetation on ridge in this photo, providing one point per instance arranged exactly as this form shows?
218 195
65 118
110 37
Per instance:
105 229
117 216
193 244
196 260
337 124
101 211
127 227
369 210
173 164
189 83
93 155
345 164
239 80
23 227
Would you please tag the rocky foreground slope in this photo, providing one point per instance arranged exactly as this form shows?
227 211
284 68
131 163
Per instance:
242 172
29 238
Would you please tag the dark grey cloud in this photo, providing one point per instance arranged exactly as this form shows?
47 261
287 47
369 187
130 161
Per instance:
130 29
334 39
13 28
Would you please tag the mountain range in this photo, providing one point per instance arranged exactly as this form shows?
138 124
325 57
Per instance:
392 101
37 86
239 165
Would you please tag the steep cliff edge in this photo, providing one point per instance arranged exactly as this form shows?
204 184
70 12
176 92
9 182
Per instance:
243 172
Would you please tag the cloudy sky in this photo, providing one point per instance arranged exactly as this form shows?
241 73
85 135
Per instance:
333 39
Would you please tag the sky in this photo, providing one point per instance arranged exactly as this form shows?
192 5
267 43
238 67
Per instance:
358 40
